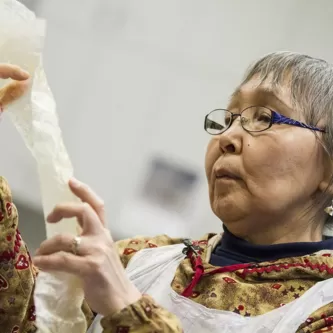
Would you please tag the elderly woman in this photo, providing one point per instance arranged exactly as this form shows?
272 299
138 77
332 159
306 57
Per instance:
269 170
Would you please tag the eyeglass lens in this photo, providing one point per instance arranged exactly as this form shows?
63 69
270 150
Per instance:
252 119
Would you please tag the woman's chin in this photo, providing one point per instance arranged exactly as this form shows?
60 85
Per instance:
225 208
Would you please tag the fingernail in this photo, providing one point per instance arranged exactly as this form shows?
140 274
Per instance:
25 73
51 218
75 182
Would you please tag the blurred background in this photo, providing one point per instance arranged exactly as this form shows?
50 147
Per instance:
133 81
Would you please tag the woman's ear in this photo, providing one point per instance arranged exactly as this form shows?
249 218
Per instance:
326 185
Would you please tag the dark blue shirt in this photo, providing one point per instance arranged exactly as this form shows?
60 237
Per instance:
233 250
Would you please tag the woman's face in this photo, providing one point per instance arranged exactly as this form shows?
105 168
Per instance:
273 175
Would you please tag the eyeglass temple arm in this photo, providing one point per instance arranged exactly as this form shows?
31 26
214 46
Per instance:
280 119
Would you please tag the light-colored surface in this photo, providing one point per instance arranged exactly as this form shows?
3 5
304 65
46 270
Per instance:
135 78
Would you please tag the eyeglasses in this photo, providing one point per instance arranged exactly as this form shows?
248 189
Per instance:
252 119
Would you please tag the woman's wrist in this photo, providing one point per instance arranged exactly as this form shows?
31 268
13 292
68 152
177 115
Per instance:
119 303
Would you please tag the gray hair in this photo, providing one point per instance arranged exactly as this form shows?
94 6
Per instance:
311 86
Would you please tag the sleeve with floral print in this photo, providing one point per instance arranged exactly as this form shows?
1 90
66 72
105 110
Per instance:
319 321
142 317
17 274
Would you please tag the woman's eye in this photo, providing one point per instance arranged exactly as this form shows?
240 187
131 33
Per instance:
227 120
264 118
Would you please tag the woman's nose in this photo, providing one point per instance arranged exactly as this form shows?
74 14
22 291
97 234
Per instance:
231 139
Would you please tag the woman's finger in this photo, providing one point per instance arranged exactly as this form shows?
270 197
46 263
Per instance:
62 262
13 91
8 71
62 242
86 216
86 194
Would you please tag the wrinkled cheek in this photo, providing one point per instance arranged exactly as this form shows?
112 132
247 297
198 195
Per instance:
211 188
272 193
208 169
212 154
263 179
262 167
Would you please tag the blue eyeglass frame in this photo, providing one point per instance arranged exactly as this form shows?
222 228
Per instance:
277 118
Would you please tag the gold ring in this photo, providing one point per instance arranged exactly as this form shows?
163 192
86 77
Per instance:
75 244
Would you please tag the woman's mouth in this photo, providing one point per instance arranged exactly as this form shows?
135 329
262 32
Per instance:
225 174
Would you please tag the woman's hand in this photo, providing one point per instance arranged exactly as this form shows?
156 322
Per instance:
15 89
106 286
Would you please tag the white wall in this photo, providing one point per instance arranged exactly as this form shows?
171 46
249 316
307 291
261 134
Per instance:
157 64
